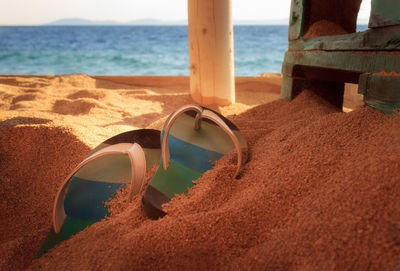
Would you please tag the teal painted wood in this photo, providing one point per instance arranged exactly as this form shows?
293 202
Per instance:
296 20
287 87
342 58
387 38
385 88
350 61
384 13
380 91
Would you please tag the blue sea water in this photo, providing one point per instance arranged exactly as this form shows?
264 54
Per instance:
129 50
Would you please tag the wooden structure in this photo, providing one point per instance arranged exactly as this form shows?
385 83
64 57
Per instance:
210 32
325 51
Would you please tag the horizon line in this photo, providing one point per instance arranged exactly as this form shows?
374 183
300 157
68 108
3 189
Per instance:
154 22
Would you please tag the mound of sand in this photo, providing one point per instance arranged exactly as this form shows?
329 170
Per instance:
49 123
324 28
33 160
321 190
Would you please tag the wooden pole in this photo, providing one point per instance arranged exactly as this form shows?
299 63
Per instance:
210 32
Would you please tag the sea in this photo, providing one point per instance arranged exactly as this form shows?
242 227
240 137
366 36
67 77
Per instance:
129 50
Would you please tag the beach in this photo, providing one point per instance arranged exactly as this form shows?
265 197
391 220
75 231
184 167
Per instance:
320 191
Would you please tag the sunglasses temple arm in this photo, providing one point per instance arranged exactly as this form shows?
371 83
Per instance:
138 167
200 114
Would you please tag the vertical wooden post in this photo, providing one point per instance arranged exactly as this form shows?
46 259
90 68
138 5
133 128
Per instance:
210 32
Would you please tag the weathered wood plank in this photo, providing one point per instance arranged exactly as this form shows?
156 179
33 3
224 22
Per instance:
387 38
350 61
296 20
381 91
384 13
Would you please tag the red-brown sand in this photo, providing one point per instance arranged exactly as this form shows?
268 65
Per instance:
321 191
340 12
324 28
48 124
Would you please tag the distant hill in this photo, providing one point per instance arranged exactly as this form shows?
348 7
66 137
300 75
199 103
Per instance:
77 21
155 22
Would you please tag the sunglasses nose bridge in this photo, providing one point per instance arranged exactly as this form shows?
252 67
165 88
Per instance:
197 121
164 145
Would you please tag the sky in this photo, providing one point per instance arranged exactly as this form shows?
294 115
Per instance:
37 12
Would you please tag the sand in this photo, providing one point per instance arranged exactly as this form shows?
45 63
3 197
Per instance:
324 28
343 13
48 124
321 189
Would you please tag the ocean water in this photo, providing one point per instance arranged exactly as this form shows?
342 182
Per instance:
129 50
